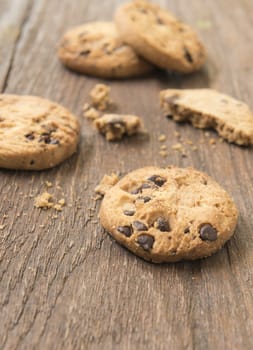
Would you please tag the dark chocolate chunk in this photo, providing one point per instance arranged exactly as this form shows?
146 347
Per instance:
84 53
125 230
54 142
136 190
145 185
162 225
159 21
158 180
129 212
146 241
46 138
32 162
188 55
187 230
140 226
139 189
208 233
146 199
30 136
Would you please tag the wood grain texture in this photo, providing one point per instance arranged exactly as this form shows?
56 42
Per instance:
64 284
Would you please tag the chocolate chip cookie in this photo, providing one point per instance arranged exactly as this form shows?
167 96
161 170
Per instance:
159 37
207 108
96 49
167 215
35 133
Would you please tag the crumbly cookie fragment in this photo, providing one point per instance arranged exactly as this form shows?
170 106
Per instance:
167 215
44 201
159 37
207 108
90 112
115 126
100 97
35 133
106 183
96 49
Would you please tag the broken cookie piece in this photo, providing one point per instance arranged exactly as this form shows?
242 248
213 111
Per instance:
115 126
106 184
100 97
90 112
207 108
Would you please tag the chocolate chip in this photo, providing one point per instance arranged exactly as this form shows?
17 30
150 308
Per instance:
188 55
46 138
146 199
142 10
54 142
140 226
208 233
140 188
129 212
145 185
30 136
158 180
136 191
162 225
146 241
187 230
84 53
125 230
32 162
159 21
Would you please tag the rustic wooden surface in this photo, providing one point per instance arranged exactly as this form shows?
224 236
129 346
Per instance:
64 284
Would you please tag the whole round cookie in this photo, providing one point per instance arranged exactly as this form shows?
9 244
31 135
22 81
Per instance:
35 133
158 36
167 215
96 49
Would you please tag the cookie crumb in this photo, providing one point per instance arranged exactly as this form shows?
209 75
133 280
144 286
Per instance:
2 227
188 142
115 126
91 113
177 134
100 97
212 141
44 201
163 153
162 138
177 147
107 182
48 184
163 147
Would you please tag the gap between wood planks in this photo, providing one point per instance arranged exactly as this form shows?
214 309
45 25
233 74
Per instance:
24 22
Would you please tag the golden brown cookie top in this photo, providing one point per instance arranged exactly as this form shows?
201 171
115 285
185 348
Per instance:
35 133
207 108
160 37
95 48
169 214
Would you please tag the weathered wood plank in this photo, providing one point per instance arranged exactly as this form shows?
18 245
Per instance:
13 17
67 284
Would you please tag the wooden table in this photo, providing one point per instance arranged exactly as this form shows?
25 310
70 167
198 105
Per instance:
64 284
